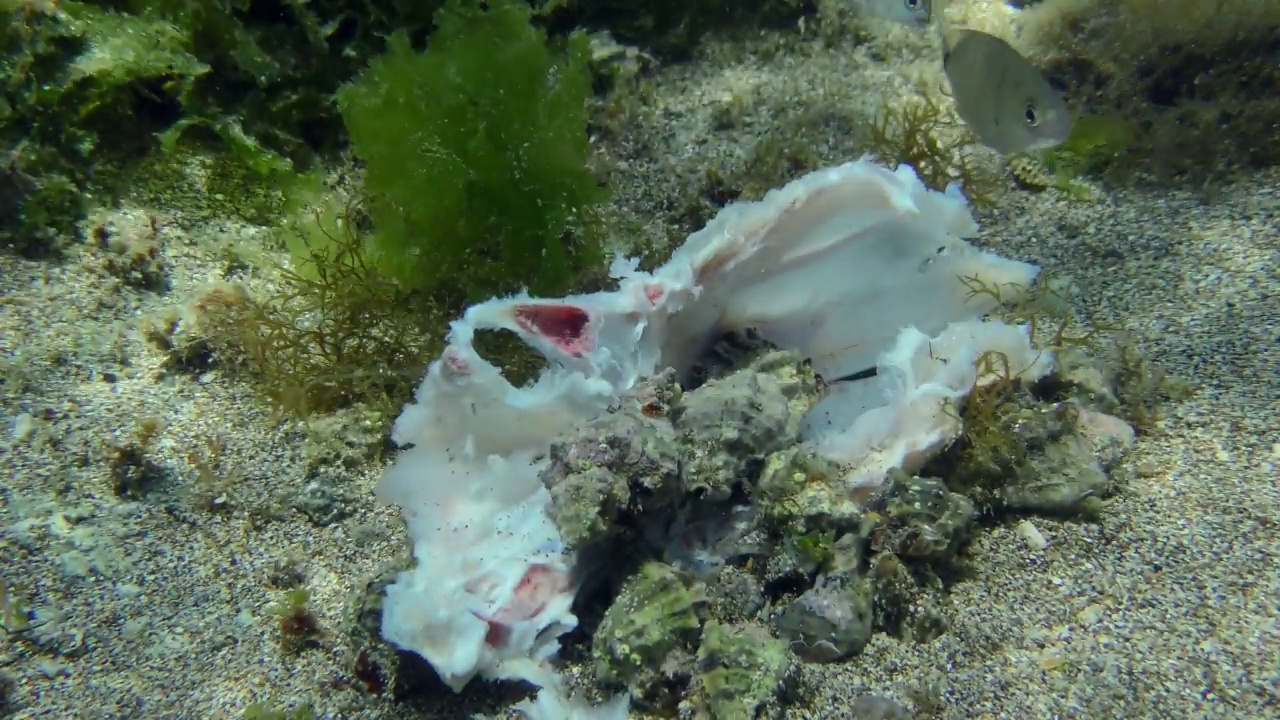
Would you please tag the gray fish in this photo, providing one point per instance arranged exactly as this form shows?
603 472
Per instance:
1003 97
911 12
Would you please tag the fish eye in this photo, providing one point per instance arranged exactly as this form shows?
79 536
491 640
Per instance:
1031 116
911 4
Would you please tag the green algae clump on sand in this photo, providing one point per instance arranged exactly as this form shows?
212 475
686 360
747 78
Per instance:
474 184
476 152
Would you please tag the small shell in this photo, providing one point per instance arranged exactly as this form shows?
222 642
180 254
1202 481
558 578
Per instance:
1031 535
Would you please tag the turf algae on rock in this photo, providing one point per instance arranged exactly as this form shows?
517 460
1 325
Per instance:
650 634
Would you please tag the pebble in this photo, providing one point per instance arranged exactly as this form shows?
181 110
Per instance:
1031 535
24 426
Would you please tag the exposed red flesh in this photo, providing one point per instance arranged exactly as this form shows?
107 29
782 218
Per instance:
535 589
563 325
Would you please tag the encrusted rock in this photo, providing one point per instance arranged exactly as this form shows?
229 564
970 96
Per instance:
1109 437
878 707
715 486
1026 455
648 637
911 606
734 595
1059 481
134 250
704 536
326 499
625 463
1086 379
830 621
350 438
740 672
730 425
799 494
923 520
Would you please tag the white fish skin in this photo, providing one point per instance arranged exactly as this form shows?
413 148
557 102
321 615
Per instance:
1001 96
910 12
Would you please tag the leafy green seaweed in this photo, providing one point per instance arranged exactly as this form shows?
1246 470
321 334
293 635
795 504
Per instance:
476 152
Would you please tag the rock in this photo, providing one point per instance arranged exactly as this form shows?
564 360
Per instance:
325 500
1031 535
24 427
740 672
830 621
648 637
734 595
1057 481
624 464
878 707
1110 437
730 425
923 520
799 494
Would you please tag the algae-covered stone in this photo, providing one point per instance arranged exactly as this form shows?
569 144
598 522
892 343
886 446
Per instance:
815 521
88 87
671 28
799 494
650 634
924 520
1086 379
729 425
806 554
621 463
734 595
1029 456
1058 481
741 670
910 605
893 587
830 621
349 438
797 381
